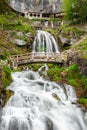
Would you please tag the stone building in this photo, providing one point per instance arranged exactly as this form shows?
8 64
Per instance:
37 8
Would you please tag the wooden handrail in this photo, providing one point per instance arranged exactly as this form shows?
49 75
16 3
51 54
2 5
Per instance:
36 57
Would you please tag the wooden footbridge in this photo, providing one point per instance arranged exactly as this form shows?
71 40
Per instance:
36 57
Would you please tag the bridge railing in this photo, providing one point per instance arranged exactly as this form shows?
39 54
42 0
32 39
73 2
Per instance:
33 55
43 55
36 57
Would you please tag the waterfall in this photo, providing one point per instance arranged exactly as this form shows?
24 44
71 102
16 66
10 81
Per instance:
39 104
45 42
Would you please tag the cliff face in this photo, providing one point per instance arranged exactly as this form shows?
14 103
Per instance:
36 5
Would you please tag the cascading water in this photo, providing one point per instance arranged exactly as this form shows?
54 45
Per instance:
38 104
45 42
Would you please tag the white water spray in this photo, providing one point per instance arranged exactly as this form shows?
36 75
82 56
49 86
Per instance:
45 42
38 104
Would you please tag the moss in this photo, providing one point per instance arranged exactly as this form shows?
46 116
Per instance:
84 81
73 82
83 100
19 23
72 76
73 67
6 76
81 47
54 72
35 67
9 93
71 29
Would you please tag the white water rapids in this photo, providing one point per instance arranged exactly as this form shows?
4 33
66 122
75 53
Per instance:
38 104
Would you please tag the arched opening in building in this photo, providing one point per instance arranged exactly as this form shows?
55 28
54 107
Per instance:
30 15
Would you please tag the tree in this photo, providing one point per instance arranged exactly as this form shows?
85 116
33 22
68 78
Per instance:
74 8
69 8
82 10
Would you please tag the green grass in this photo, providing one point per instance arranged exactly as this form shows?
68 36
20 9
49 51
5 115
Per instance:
83 100
73 82
81 47
15 22
72 75
6 76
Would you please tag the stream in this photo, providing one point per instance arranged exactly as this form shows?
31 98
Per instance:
40 104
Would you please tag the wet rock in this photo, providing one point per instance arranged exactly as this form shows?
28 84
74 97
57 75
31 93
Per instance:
65 41
13 124
72 41
82 66
0 113
55 96
28 34
19 42
63 74
49 124
75 57
37 23
4 96
20 34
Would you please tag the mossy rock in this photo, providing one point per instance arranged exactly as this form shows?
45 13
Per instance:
55 96
4 96
9 93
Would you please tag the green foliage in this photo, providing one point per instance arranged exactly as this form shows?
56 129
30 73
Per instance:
84 81
35 67
83 100
6 82
38 19
7 76
69 8
75 9
4 55
26 39
4 8
72 75
73 67
54 72
7 71
75 31
54 19
18 24
81 47
73 82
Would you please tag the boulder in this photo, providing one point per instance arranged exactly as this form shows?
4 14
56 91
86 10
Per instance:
63 74
72 41
65 41
20 34
28 34
55 96
20 42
